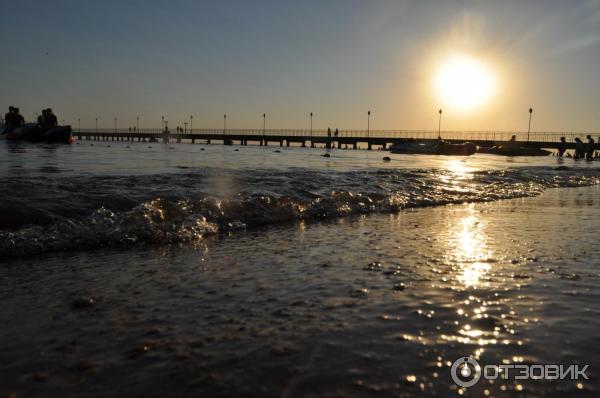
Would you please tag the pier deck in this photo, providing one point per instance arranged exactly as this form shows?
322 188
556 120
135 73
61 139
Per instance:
351 139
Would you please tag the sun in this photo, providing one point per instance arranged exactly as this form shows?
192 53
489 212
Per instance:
464 83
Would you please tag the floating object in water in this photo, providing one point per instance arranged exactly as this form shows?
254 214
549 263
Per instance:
386 158
31 132
326 155
434 148
277 151
514 151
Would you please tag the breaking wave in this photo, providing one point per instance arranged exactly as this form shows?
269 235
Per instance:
42 214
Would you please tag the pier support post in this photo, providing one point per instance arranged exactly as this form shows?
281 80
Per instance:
369 146
303 144
354 145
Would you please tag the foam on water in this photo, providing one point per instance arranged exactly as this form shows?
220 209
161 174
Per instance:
44 214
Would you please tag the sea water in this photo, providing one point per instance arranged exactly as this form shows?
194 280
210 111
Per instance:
152 269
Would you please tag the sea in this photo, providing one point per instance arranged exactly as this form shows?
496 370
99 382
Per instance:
150 269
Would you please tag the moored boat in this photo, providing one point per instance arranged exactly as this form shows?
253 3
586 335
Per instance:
32 132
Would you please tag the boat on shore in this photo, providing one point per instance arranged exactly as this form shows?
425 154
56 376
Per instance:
513 151
32 132
433 148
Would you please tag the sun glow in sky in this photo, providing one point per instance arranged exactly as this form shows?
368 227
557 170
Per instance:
464 83
400 59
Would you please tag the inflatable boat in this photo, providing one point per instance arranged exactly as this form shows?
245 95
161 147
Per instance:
31 132
434 148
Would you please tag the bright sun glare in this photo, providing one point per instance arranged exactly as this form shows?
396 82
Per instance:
464 83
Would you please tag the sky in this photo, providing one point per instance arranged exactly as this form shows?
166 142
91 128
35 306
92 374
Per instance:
335 58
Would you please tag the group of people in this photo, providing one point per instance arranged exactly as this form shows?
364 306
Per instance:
13 119
582 150
47 119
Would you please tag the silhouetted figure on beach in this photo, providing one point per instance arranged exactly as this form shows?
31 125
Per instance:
591 147
513 138
329 132
337 132
579 148
562 146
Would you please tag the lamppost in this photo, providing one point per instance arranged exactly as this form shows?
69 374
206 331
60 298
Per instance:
137 124
224 124
264 123
185 128
440 125
311 116
79 124
368 123
96 125
115 125
162 123
529 128
191 125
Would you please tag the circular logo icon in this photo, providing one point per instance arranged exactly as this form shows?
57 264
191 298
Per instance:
465 372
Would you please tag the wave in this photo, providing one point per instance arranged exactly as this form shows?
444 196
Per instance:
41 214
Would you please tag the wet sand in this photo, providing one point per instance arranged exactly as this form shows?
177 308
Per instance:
376 305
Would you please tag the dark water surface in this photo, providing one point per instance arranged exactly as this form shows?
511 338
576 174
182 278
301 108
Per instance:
164 272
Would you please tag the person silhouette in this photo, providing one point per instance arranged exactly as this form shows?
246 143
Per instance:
562 146
591 147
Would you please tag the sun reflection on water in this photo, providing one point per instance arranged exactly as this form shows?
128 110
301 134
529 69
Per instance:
471 251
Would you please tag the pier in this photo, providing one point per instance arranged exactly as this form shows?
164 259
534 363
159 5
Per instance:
351 139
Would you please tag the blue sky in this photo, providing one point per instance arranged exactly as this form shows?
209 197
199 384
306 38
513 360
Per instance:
337 59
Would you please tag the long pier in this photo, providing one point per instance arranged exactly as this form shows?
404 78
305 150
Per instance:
355 139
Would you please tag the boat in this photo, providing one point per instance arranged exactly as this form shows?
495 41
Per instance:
434 148
514 151
32 132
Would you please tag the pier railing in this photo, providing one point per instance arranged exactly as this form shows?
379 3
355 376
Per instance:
355 134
